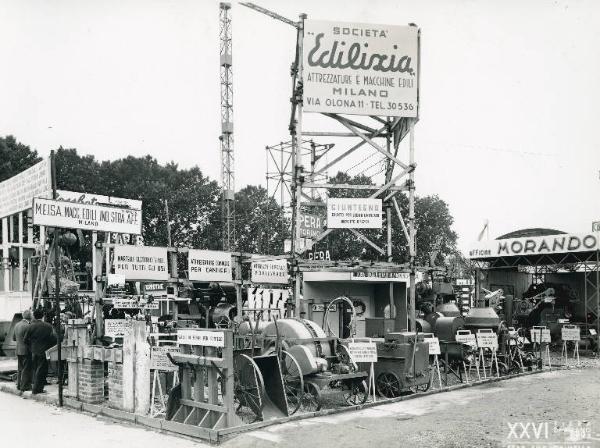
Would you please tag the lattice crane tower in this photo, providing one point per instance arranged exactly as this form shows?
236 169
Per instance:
227 159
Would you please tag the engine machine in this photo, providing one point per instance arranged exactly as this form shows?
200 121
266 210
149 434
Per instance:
402 364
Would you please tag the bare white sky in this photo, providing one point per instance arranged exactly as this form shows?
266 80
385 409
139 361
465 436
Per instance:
509 93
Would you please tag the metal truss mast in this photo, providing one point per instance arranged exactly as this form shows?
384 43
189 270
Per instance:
226 138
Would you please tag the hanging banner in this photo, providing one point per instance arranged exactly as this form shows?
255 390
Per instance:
354 213
97 199
206 338
71 215
538 245
159 359
360 68
17 192
141 262
209 266
363 351
274 271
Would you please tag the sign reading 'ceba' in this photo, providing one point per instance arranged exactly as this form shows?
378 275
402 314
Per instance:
549 244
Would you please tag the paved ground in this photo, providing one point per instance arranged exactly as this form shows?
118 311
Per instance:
517 412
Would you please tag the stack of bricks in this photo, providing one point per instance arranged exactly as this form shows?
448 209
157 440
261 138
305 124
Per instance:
115 385
91 381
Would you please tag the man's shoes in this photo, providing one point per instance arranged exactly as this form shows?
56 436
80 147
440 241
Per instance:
40 392
25 389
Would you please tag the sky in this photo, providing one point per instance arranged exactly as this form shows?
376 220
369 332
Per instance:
508 128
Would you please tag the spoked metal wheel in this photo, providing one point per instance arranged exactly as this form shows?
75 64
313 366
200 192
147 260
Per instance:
249 389
355 392
293 381
388 385
311 399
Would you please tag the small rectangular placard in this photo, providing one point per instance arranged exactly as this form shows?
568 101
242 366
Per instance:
434 346
159 360
206 338
466 338
141 262
570 333
117 328
487 340
363 351
135 302
209 266
540 335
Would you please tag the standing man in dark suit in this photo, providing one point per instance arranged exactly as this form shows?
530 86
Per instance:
39 337
23 353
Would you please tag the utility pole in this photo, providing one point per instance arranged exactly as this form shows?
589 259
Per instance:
226 138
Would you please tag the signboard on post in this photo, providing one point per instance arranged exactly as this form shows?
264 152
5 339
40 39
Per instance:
363 351
159 359
570 333
540 335
487 340
434 345
466 337
206 338
269 271
141 262
117 328
209 266
354 213
310 225
72 215
17 192
360 68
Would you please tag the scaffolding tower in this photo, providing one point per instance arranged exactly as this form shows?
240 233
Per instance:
226 138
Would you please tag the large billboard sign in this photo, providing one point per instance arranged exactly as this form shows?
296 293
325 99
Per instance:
74 215
269 271
17 192
209 266
539 245
141 262
354 213
360 68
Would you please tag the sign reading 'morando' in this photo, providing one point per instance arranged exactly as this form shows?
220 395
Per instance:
549 244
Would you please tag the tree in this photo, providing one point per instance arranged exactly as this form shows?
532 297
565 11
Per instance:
15 157
260 225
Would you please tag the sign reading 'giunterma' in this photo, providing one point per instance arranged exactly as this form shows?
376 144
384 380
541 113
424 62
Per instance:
360 68
354 213
73 215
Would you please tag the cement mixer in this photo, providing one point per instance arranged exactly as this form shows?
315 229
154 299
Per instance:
322 360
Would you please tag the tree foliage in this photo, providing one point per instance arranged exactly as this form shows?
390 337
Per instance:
194 204
15 157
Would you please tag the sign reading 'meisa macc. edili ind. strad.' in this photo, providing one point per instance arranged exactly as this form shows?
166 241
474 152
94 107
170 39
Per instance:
73 215
539 245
